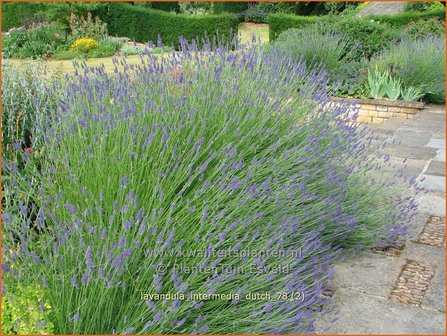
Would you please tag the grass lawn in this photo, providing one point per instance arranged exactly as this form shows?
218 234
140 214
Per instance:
246 31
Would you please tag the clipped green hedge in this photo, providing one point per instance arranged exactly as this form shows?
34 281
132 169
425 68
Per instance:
280 22
165 6
230 7
403 19
14 14
144 24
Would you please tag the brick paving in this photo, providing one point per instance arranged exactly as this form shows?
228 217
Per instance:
412 283
433 232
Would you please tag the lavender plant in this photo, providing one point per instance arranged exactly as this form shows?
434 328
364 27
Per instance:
206 150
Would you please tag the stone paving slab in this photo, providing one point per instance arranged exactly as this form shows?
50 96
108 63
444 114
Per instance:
368 314
412 137
431 203
433 183
371 273
440 155
435 296
410 152
436 168
436 143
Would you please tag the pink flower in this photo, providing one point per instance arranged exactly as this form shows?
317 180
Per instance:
28 150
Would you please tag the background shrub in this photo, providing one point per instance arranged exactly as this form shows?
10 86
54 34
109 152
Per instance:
129 49
25 105
15 14
320 50
403 19
104 49
12 42
422 6
280 22
34 49
368 37
419 63
165 6
87 27
421 28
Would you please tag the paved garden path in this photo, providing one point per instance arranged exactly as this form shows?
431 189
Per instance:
382 8
400 290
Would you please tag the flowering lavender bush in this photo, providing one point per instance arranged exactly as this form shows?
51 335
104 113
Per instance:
209 150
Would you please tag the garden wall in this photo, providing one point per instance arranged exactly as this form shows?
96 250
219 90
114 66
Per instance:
379 110
143 24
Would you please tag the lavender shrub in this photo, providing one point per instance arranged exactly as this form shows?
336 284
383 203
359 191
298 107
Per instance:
206 150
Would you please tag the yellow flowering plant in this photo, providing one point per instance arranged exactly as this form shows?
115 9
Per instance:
84 44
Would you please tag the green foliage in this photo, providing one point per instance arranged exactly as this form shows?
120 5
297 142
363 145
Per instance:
262 10
381 85
143 25
393 88
280 22
323 8
419 63
319 49
422 6
33 49
13 42
230 7
22 313
23 121
377 83
166 6
87 27
421 28
15 14
104 49
39 41
411 93
195 8
133 49
403 19
371 37
63 55
61 11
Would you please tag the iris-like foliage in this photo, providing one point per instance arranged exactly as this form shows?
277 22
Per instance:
207 150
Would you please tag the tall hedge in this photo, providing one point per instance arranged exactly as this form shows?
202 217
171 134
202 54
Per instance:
230 7
280 22
165 6
403 19
14 14
144 24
